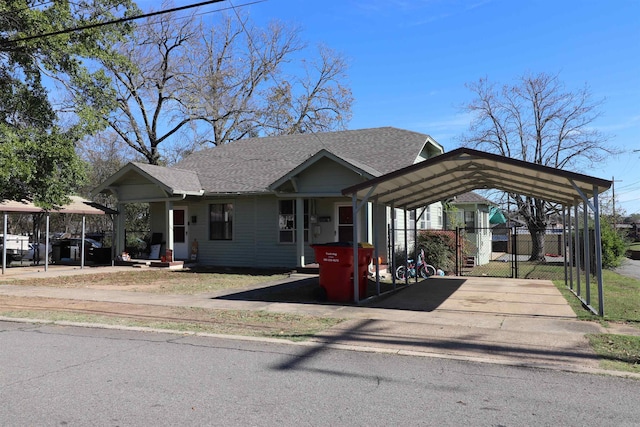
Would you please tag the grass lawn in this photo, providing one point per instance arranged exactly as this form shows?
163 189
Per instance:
634 246
621 304
237 322
159 281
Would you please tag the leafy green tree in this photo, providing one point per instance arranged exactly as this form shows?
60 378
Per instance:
37 139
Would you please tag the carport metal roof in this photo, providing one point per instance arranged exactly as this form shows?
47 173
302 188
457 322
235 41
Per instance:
464 169
76 205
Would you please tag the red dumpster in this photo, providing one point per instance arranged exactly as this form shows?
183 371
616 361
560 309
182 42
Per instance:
336 270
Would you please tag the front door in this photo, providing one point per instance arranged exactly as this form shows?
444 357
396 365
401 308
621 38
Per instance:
344 224
180 232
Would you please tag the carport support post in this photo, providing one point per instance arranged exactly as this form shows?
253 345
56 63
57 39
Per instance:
82 245
406 247
577 249
569 243
415 241
46 242
566 235
376 250
598 243
4 243
393 245
587 255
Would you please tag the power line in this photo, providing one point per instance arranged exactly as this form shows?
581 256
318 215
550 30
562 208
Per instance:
102 24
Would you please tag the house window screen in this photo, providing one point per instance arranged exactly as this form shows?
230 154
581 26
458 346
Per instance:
221 221
287 223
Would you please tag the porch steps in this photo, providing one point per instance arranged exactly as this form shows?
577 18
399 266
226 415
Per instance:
468 263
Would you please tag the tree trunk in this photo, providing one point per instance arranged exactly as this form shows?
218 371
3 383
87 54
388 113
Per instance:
537 244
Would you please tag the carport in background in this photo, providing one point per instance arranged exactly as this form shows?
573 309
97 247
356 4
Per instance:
77 205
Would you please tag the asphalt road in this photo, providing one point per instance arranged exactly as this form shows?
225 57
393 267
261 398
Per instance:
56 375
629 268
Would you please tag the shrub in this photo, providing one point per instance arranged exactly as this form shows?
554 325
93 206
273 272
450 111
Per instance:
439 248
613 245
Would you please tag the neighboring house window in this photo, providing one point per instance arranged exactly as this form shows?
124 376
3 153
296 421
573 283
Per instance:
287 221
421 223
221 221
427 217
439 216
469 220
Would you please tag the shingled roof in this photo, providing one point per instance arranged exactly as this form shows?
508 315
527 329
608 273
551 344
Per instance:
252 165
471 197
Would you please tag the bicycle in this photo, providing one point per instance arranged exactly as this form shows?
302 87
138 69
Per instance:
422 268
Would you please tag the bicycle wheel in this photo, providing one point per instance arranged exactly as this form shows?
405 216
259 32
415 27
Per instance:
427 270
431 270
401 272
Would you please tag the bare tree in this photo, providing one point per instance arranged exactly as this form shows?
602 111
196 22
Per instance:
537 120
184 85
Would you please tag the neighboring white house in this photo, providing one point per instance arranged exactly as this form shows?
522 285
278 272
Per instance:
263 202
472 213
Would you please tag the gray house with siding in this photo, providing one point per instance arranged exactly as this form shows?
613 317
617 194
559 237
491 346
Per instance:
263 202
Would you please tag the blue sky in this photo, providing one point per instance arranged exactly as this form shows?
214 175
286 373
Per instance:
410 60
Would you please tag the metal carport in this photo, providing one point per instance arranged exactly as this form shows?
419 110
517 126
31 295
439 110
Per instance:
464 169
76 205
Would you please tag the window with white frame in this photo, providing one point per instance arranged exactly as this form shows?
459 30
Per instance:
287 222
439 219
221 221
422 223
469 220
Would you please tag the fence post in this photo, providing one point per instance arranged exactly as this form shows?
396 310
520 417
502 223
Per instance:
514 258
458 252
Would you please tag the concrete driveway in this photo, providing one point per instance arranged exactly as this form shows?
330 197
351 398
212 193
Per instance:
515 297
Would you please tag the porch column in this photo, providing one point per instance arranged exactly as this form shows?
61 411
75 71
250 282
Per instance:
368 220
169 224
300 231
120 223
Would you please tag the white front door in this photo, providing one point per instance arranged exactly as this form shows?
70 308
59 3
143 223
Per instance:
180 233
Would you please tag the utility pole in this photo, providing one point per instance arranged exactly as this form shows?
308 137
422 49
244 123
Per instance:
613 195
